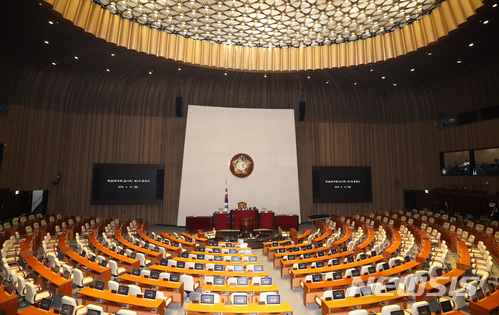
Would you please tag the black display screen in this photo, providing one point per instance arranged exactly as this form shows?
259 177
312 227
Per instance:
115 184
341 184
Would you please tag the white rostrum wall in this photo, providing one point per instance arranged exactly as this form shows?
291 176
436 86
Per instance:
214 135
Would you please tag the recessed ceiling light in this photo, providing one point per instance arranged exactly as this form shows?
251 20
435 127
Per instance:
371 70
112 55
150 72
308 77
51 23
225 73
265 75
54 63
355 83
394 84
179 69
76 57
459 61
428 53
412 70
486 22
471 44
46 42
494 5
327 82
383 78
108 70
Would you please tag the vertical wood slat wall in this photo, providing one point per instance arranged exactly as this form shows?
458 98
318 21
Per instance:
68 144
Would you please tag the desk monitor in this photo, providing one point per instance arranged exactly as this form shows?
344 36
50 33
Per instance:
45 304
93 312
386 266
366 291
449 266
373 253
275 244
334 251
273 299
201 249
67 309
218 258
296 249
184 255
232 251
424 278
198 266
163 262
424 310
40 259
123 290
229 245
350 259
214 244
113 248
344 249
321 254
218 281
398 263
407 259
302 266
479 294
336 262
174 277
242 281
136 272
338 275
150 294
145 246
371 270
300 241
239 268
154 275
248 251
287 243
207 298
258 268
66 274
306 256
439 272
319 264
252 259
9 288
316 278
156 249
218 268
491 288
133 255
266 281
356 273
390 286
240 299
235 259
200 256
446 306
363 257
136 243
122 252
338 294
309 247
217 250
291 257
103 263
47 262
176 244
281 250
180 264
100 285
397 312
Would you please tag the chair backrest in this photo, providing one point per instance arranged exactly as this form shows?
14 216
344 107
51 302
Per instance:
416 305
263 296
70 301
388 309
95 308
358 312
112 285
233 296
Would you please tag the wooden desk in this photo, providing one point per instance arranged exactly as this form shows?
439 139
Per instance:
47 277
369 303
226 290
305 234
33 310
321 238
273 251
225 263
87 267
342 240
200 274
298 275
463 261
437 287
8 303
172 250
155 257
203 241
310 289
278 257
30 244
124 261
370 238
189 246
287 265
252 308
487 306
173 289
396 242
267 245
112 302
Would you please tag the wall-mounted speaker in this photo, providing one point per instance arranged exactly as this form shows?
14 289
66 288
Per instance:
302 110
178 106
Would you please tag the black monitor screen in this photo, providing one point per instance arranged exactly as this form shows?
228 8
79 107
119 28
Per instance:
201 249
363 256
407 259
219 281
281 250
344 249
180 264
219 267
154 275
350 259
491 288
266 281
232 251
207 298
240 299
239 268
338 294
100 285
321 254
371 270
316 278
424 310
45 304
291 257
184 255
198 266
366 291
341 184
386 266
439 272
319 264
150 294
334 251
306 256
397 312
479 294
397 263
258 268
217 250
242 281
296 249
92 258
273 299
309 247
235 259
275 244
302 266
390 286
67 309
229 245
287 243
174 277
252 258
163 262
337 275
355 273
83 254
374 254
336 262
446 306
67 274
136 272
123 290
218 258
103 263
127 184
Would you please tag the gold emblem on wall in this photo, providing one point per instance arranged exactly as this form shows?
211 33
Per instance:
241 165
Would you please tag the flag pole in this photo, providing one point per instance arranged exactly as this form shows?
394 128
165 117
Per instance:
226 197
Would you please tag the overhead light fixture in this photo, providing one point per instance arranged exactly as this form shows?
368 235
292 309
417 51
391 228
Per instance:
46 42
471 44
76 57
108 70
459 61
486 22
412 70
382 78
51 23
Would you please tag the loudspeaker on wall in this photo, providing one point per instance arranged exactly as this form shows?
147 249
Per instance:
178 105
302 110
